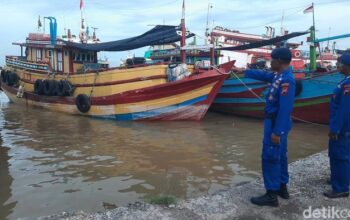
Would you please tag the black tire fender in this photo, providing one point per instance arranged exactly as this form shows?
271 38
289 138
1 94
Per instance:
55 88
3 76
83 103
68 88
12 79
48 87
60 88
39 87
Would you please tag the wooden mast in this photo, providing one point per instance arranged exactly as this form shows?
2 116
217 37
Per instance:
183 35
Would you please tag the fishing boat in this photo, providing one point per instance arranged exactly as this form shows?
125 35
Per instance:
63 74
225 37
245 97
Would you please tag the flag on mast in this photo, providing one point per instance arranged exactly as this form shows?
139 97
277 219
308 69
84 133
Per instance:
39 23
81 4
309 9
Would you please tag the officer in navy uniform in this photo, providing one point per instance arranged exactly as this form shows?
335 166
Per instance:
277 124
339 133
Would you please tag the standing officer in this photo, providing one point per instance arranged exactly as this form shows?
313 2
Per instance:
277 124
339 133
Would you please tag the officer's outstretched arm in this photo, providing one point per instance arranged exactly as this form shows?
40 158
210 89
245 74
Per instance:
259 75
286 101
342 112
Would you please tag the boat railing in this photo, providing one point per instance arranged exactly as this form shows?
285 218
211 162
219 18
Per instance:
176 52
23 63
93 68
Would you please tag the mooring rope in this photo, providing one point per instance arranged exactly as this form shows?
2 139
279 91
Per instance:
263 100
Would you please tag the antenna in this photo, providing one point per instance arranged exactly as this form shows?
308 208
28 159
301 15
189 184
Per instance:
94 33
210 6
329 32
282 29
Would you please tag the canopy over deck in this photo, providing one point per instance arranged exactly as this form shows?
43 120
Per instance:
161 34
264 42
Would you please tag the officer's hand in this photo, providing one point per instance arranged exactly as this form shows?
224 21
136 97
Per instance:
238 70
333 136
275 139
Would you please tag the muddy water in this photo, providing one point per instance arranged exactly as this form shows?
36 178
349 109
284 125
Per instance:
52 162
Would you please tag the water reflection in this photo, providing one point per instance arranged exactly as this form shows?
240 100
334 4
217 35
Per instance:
60 162
6 181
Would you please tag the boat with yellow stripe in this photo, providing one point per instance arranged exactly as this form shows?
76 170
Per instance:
63 74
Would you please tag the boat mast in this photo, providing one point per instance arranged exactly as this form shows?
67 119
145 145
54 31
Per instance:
183 35
82 27
210 6
313 43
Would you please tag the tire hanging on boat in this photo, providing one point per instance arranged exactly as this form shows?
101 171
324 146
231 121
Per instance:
48 87
3 76
298 87
55 88
39 87
67 87
83 103
12 79
60 89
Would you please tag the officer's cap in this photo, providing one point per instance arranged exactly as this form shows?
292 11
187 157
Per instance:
345 58
282 53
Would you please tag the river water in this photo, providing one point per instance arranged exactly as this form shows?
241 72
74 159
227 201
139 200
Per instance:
52 162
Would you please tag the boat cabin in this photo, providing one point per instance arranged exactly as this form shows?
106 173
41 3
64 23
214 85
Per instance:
39 54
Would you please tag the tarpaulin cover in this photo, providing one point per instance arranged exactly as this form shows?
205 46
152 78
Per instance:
264 42
161 34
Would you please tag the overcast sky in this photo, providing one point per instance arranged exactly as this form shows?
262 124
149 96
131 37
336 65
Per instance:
120 19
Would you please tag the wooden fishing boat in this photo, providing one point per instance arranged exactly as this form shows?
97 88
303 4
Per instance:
313 91
246 97
63 74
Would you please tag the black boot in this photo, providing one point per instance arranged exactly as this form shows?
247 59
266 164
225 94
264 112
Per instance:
269 199
283 192
335 195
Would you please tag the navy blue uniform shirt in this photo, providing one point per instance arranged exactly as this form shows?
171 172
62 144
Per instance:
280 97
340 108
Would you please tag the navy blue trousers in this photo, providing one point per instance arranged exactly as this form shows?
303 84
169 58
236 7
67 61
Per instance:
339 157
274 159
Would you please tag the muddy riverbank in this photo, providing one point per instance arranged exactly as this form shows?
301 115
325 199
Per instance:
308 181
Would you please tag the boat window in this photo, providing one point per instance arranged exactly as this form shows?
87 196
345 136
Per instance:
83 57
38 54
59 61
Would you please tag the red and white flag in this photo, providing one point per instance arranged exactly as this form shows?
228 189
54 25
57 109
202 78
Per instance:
81 4
309 9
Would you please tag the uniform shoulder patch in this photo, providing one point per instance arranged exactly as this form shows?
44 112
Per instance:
346 89
285 88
